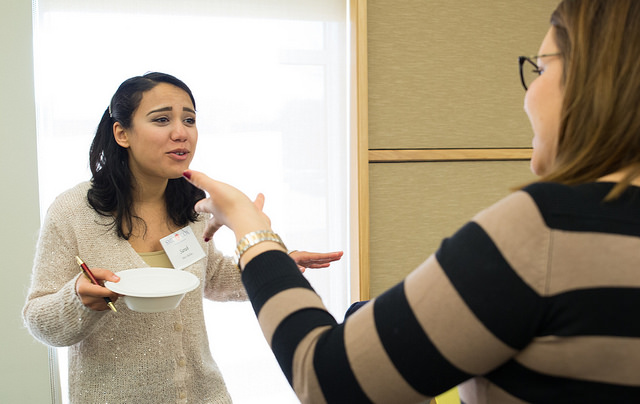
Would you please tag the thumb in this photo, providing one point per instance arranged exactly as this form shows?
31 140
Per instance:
259 202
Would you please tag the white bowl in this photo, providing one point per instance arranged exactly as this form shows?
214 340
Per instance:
152 290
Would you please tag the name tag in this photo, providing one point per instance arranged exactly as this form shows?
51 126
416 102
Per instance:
182 248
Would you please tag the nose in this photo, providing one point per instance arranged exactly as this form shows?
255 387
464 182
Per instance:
179 132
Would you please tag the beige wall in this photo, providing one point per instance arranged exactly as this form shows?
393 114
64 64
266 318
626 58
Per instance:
24 375
442 75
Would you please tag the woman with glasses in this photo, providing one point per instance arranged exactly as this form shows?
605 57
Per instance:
536 299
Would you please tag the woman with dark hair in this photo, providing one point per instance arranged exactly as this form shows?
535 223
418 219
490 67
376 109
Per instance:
536 298
111 183
145 140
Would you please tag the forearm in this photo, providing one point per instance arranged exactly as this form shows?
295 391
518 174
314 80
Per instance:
293 320
60 318
354 361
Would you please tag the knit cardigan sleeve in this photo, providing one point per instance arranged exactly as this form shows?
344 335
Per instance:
223 278
53 312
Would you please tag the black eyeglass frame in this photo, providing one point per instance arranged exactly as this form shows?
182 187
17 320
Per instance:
536 69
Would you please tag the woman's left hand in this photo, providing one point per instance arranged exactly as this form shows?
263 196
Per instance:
306 259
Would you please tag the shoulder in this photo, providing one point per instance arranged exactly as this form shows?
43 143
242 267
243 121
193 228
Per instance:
71 201
582 207
520 207
552 197
73 195
513 234
548 202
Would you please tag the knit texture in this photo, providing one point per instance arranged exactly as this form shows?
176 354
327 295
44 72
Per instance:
123 357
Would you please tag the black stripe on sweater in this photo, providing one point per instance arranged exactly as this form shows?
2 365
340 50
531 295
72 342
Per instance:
334 373
535 387
582 207
500 299
602 311
292 330
409 348
270 273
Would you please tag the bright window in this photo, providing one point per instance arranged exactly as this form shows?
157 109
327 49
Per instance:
270 82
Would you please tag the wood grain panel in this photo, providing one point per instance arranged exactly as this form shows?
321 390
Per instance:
415 205
444 74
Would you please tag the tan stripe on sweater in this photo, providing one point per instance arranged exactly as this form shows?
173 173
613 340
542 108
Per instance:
520 233
600 359
281 305
587 260
536 253
455 331
305 381
372 367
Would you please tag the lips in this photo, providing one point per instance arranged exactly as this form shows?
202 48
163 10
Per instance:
179 154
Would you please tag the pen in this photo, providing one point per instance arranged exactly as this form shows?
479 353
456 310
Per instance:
87 272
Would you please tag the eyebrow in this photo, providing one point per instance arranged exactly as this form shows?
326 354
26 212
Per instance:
165 109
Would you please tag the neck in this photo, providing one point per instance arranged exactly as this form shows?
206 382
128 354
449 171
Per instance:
148 192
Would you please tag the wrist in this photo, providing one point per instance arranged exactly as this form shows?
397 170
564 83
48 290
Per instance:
256 242
246 225
258 249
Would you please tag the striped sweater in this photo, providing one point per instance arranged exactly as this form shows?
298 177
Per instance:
534 300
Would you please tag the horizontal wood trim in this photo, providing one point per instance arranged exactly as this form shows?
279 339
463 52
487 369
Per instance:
417 155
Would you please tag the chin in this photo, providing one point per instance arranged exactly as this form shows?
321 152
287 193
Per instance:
536 167
178 172
175 175
539 169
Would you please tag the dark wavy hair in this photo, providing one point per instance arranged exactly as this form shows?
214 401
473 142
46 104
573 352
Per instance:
112 182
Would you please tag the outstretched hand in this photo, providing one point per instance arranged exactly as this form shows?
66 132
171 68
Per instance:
306 259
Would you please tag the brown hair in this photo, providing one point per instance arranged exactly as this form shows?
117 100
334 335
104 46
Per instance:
600 122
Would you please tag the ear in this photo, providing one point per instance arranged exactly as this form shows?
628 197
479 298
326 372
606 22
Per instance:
120 135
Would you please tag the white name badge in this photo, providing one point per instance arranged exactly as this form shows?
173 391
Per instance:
182 248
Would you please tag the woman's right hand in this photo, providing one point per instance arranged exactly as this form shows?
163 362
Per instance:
92 295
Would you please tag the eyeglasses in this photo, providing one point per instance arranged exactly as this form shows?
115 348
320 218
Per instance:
529 71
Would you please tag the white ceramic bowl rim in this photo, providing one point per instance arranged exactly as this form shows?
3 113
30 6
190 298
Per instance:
153 282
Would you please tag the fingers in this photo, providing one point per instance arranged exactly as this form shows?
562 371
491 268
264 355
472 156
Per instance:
198 179
105 275
312 260
316 266
211 228
92 295
315 260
